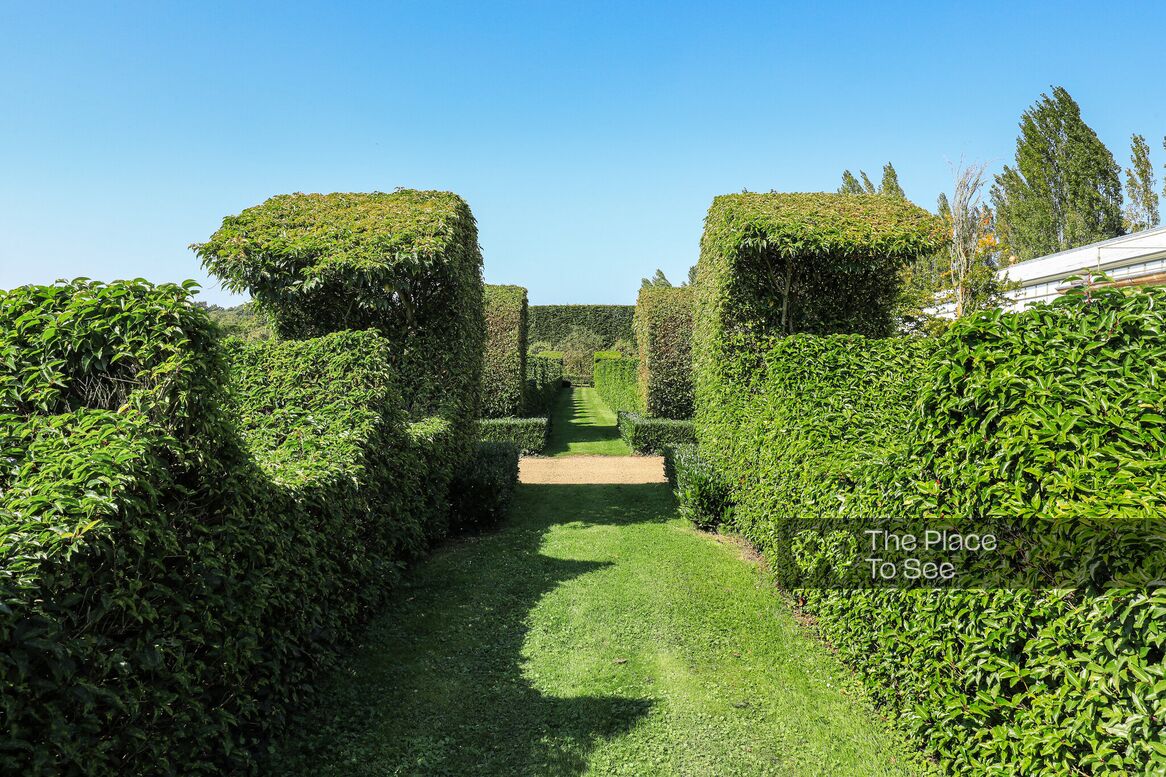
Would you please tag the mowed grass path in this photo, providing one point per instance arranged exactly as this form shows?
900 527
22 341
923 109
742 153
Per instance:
593 634
582 424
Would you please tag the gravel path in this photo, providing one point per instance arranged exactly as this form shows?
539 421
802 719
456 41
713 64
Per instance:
592 469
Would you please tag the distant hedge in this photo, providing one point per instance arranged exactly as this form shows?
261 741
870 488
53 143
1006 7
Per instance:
504 373
544 380
653 435
529 434
183 552
552 323
615 382
406 263
663 323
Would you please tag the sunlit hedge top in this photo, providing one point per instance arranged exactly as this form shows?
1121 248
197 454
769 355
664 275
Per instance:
406 263
820 263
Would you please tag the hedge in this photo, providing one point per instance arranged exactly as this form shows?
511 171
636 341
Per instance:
702 495
663 324
1048 423
553 323
529 434
615 382
483 491
652 435
504 369
405 263
182 553
544 380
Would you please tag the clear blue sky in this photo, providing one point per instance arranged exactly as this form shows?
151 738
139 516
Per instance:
588 138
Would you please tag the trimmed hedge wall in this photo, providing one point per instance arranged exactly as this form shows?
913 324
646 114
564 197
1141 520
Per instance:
529 434
615 382
504 372
653 435
406 263
663 324
1048 422
544 380
483 491
180 560
553 323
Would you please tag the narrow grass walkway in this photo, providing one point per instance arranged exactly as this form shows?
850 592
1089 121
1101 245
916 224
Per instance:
593 634
581 423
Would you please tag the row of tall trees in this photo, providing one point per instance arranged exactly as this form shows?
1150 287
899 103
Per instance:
1063 190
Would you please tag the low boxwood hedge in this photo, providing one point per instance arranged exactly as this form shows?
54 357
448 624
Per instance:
529 434
652 435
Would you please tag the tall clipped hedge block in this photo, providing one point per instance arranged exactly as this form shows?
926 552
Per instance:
406 263
1047 422
544 380
183 550
616 382
505 369
778 264
553 323
663 323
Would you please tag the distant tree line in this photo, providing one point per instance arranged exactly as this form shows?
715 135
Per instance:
1063 190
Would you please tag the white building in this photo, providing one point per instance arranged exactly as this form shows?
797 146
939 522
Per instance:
1139 258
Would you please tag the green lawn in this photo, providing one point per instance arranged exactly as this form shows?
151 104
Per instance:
593 634
582 424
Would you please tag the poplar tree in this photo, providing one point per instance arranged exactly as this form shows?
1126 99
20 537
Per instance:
1141 200
850 184
1065 188
890 183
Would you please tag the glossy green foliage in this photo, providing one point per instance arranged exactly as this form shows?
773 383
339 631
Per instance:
544 381
482 491
183 552
702 495
553 323
405 263
504 370
616 382
652 435
529 434
1048 422
663 324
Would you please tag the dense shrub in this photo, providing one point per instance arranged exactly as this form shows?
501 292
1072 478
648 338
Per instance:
544 380
179 560
615 382
405 263
1047 423
553 323
482 492
663 324
652 435
529 434
504 369
703 497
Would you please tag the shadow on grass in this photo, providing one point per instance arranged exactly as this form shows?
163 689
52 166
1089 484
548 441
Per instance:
437 686
574 422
